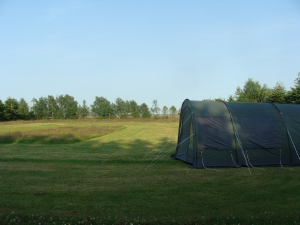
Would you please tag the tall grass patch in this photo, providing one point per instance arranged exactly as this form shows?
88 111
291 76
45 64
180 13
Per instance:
58 135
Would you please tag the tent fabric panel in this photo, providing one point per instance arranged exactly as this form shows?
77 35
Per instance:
182 148
264 157
182 151
205 108
260 132
242 109
290 110
294 128
262 138
184 157
293 124
215 133
291 115
215 158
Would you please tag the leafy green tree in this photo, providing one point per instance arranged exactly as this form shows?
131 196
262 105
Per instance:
52 108
277 94
173 111
297 81
113 108
11 109
126 109
230 99
40 107
122 108
165 111
145 112
155 109
61 107
252 92
83 111
101 107
293 96
23 109
134 109
79 110
3 117
31 115
67 107
119 107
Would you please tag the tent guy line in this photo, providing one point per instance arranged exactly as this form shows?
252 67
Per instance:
151 150
159 158
110 156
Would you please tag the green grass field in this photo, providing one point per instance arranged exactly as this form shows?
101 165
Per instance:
120 172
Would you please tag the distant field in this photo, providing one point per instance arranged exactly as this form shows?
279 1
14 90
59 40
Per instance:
120 172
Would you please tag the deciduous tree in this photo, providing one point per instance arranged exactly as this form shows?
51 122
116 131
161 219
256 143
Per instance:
173 111
277 94
123 108
3 117
297 81
67 107
101 107
145 112
230 99
83 110
11 109
114 111
52 107
293 96
23 109
155 108
165 111
252 92
40 107
134 109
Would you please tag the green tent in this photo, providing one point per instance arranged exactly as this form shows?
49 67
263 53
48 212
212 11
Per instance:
236 134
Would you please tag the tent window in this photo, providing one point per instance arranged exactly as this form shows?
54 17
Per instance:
215 132
260 133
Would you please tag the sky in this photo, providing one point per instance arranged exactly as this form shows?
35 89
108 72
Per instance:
164 50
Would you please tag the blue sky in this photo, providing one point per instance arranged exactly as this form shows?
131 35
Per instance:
145 50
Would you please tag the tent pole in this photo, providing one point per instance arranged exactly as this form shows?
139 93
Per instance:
235 132
237 137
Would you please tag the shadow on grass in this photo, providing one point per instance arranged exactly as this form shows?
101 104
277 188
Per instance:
94 152
135 150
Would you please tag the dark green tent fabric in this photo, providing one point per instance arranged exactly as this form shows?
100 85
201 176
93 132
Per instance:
235 134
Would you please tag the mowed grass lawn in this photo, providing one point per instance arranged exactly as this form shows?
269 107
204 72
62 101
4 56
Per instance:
120 172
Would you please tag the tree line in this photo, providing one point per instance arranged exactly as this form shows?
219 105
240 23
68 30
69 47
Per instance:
66 107
253 91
